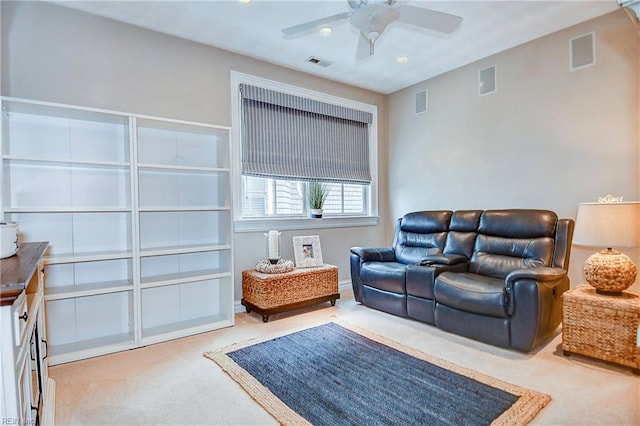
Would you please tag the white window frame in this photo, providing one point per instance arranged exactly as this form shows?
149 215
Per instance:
262 224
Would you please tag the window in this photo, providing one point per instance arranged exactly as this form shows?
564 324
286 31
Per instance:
271 197
305 144
263 197
346 199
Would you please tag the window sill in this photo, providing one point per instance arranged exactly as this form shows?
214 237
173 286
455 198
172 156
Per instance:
260 225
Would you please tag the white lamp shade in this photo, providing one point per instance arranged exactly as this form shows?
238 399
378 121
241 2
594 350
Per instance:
608 225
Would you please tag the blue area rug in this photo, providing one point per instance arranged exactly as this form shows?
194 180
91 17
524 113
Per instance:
333 375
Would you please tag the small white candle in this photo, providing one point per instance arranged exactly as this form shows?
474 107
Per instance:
274 251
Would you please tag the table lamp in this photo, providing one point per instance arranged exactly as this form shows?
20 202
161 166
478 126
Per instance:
609 223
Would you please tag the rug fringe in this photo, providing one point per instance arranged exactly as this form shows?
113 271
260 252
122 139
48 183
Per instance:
262 395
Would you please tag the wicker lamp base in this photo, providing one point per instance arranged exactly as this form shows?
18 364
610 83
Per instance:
610 271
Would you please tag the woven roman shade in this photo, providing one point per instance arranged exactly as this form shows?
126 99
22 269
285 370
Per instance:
290 137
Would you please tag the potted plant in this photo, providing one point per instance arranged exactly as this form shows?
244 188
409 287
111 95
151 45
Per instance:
317 195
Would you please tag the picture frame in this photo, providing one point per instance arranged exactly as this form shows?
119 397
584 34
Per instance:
307 251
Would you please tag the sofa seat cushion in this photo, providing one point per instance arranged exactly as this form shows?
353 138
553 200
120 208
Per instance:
471 293
388 276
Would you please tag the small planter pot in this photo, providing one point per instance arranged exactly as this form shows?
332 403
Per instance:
316 213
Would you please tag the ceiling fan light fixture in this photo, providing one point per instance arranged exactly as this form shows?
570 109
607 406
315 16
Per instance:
371 18
372 37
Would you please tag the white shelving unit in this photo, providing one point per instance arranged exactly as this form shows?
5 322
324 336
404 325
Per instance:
137 213
185 229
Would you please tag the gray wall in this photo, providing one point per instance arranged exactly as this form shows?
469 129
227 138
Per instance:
55 54
548 138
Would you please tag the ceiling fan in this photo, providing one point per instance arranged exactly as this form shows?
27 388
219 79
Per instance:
371 17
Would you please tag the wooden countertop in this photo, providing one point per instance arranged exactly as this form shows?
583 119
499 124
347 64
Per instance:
16 271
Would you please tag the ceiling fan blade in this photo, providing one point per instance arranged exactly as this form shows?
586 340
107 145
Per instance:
364 48
312 25
427 18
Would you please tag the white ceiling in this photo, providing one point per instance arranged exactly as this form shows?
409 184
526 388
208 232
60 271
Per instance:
253 29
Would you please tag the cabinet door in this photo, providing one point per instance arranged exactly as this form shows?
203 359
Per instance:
25 392
42 351
36 397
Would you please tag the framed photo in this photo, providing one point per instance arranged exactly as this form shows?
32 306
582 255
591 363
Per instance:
307 251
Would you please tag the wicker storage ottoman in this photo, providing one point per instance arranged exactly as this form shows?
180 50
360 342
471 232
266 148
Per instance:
602 326
268 294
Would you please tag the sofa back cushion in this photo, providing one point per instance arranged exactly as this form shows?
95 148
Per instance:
420 234
462 232
513 239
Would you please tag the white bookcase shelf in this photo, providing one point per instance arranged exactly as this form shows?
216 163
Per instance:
137 213
191 169
63 209
87 257
90 348
50 161
92 289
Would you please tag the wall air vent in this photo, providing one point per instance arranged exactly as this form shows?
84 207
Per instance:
487 81
318 61
420 101
582 51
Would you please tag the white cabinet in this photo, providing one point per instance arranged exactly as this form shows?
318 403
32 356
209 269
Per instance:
137 213
27 394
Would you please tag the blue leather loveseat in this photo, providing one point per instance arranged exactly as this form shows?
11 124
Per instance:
496 276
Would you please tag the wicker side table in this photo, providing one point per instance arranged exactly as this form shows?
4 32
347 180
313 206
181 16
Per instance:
268 294
601 326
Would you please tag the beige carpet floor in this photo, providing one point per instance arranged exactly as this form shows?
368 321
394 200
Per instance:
173 383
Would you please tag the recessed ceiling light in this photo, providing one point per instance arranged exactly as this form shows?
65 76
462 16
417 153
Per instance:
326 31
402 59
244 1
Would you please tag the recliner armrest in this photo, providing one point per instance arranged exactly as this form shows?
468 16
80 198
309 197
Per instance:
369 254
443 259
546 275
534 303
